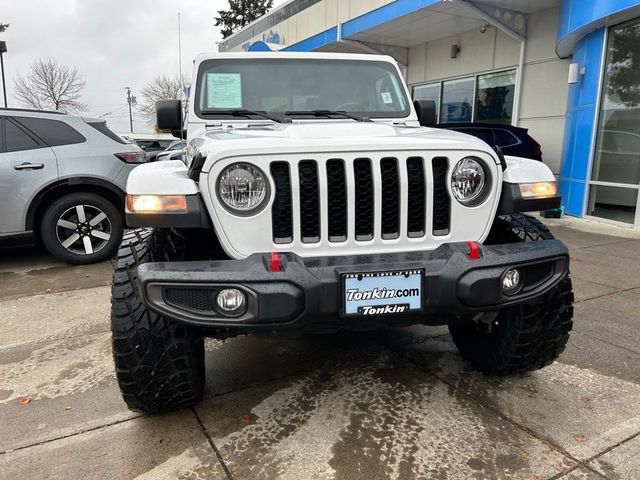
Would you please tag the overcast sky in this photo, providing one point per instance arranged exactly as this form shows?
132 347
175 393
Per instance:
113 43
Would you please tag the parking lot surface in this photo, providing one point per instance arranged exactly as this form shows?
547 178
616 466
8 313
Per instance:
399 404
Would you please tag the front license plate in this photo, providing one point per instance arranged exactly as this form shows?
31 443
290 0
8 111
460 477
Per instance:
382 293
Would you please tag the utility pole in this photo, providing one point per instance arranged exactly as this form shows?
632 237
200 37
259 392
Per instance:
3 49
131 101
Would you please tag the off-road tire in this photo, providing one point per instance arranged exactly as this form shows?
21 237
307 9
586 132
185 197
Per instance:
526 337
49 224
159 362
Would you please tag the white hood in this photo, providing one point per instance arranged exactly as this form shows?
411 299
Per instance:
334 136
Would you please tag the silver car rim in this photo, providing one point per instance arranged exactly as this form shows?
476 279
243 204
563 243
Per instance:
83 229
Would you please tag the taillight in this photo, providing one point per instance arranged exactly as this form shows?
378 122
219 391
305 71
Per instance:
132 157
537 150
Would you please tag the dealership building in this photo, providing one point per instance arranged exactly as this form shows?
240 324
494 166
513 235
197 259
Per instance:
567 70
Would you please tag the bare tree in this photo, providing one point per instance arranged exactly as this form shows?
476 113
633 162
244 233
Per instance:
3 27
50 86
161 87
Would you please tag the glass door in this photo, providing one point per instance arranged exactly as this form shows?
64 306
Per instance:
615 174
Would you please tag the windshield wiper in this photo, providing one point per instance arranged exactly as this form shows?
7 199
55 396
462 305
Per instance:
328 113
241 112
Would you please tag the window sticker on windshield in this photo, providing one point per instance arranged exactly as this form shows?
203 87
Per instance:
224 90
386 97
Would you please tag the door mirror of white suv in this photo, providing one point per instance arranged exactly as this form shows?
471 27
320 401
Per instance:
169 114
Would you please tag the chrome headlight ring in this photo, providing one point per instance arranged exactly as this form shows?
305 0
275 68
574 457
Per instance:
470 181
243 189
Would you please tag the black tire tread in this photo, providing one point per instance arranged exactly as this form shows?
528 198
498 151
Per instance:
528 228
529 336
159 363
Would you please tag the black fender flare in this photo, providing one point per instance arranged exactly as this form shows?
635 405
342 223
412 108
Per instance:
88 184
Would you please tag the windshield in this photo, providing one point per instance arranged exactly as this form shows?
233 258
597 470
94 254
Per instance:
296 86
176 146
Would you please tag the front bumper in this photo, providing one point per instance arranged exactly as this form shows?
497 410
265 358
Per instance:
306 294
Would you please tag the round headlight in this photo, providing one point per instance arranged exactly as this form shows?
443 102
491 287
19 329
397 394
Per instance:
242 187
468 181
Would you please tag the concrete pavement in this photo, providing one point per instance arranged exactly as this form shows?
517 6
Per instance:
401 404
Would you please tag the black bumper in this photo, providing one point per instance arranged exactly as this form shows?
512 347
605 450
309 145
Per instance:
306 294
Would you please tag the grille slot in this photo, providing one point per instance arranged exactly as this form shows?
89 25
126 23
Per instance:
441 200
337 200
390 207
282 223
416 200
534 275
190 298
363 179
309 201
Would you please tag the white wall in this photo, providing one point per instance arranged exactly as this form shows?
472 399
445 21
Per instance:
544 87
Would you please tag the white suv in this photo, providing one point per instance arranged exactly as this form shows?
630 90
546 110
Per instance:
314 198
62 179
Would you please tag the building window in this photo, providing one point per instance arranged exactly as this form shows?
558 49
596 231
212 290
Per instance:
428 92
615 174
482 98
457 100
494 97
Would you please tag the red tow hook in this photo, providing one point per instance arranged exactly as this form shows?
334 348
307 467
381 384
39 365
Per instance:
276 266
474 251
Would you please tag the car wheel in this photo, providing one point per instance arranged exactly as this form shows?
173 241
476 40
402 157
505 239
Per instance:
159 362
81 228
525 337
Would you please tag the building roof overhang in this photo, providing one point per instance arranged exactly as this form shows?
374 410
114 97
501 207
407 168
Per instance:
407 23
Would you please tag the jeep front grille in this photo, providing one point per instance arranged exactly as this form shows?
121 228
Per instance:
348 189
363 180
281 209
309 202
336 200
390 194
416 197
441 201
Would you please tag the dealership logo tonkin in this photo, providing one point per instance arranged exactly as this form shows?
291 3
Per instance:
382 309
381 293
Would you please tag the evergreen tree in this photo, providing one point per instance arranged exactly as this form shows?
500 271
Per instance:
240 14
624 65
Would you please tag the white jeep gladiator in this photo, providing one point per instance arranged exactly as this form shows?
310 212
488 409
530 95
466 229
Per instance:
315 197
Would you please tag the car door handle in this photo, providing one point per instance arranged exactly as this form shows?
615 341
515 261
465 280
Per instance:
29 166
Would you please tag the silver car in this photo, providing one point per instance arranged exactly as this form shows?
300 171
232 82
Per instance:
175 151
62 180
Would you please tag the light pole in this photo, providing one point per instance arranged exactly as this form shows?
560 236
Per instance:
3 49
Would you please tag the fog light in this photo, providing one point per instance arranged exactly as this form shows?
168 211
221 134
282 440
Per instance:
231 301
511 281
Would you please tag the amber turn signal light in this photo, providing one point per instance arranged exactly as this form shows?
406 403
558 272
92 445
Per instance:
156 204
538 189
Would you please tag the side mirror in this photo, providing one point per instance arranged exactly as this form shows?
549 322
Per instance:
169 114
426 111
